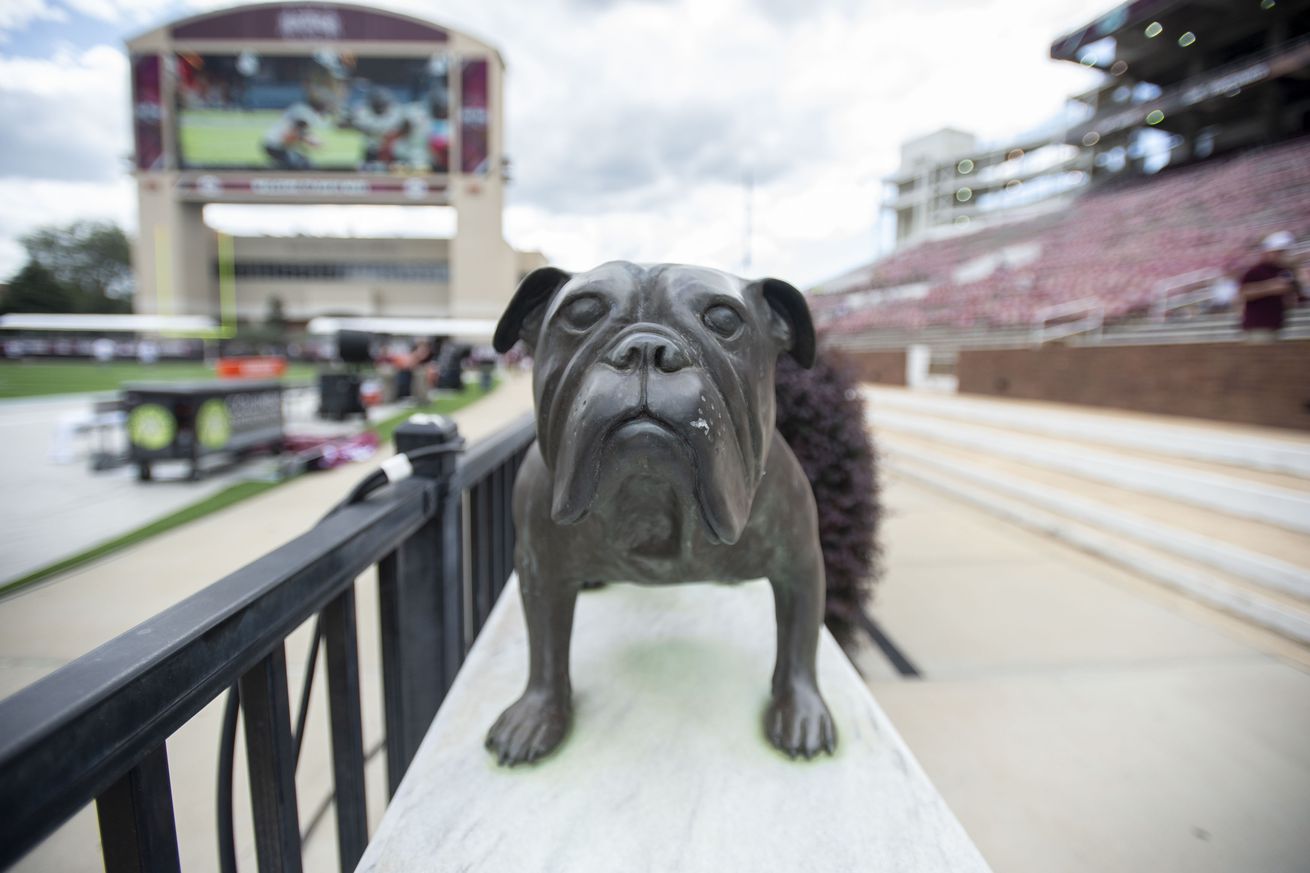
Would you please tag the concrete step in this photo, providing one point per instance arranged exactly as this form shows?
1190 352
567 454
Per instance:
1288 547
1218 512
1290 578
1268 593
1137 451
1249 448
1224 492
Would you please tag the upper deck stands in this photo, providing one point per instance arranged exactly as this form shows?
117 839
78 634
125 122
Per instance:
1114 245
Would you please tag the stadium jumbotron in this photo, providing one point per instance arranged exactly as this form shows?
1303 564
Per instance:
319 104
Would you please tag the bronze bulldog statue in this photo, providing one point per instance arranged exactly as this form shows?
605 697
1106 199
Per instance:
657 462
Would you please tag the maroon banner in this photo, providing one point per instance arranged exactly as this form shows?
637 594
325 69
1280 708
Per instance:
308 22
148 112
474 110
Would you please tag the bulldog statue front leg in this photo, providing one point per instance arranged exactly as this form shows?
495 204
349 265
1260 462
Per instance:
535 724
797 720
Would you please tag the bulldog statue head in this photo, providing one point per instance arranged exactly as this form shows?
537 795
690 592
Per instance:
666 369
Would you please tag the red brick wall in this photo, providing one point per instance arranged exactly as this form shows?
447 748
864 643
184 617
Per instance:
885 368
1252 384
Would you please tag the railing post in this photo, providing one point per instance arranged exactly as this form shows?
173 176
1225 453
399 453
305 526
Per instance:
419 612
271 760
347 728
137 830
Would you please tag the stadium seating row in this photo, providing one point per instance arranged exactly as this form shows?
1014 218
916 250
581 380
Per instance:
1113 244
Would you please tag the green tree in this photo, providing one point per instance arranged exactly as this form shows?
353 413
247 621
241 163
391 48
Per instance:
92 259
35 289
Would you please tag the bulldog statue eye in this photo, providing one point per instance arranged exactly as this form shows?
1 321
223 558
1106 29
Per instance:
723 320
583 312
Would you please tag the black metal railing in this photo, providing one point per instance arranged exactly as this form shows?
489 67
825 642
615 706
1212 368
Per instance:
96 728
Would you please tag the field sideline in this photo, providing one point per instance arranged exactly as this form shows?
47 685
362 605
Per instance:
24 379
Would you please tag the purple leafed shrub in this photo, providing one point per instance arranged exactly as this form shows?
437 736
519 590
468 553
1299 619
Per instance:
821 416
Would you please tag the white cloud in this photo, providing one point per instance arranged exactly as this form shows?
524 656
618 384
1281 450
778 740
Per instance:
114 10
17 14
66 117
63 145
817 105
632 124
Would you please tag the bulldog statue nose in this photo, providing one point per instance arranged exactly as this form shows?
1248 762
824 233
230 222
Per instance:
647 349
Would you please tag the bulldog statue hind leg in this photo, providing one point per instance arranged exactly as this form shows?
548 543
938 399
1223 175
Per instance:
657 462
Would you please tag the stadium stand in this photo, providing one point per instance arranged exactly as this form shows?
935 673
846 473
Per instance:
1113 248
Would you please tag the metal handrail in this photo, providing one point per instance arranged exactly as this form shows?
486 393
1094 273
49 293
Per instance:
1092 310
1184 290
95 729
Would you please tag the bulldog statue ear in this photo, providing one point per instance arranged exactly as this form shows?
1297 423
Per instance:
523 315
792 319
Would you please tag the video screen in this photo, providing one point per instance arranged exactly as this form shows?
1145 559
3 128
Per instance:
327 111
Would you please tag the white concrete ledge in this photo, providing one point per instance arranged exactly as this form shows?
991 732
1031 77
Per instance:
667 768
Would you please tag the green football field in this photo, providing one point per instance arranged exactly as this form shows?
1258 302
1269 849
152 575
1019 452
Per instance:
233 138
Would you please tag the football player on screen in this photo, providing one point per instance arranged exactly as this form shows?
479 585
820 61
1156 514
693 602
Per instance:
289 140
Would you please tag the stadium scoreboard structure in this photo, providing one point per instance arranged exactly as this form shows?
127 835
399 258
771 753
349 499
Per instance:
315 103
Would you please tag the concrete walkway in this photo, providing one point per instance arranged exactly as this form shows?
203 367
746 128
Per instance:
49 625
1077 718
97 602
67 508
49 483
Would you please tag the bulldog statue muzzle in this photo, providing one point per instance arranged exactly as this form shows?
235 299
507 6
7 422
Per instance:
657 462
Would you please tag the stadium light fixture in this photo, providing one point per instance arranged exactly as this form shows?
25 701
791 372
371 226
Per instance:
1091 138
1155 116
1187 39
964 194
1154 29
1267 4
964 167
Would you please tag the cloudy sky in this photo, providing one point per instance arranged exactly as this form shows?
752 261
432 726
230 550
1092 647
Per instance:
632 123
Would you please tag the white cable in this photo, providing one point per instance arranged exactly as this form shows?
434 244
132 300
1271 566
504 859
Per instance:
397 468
